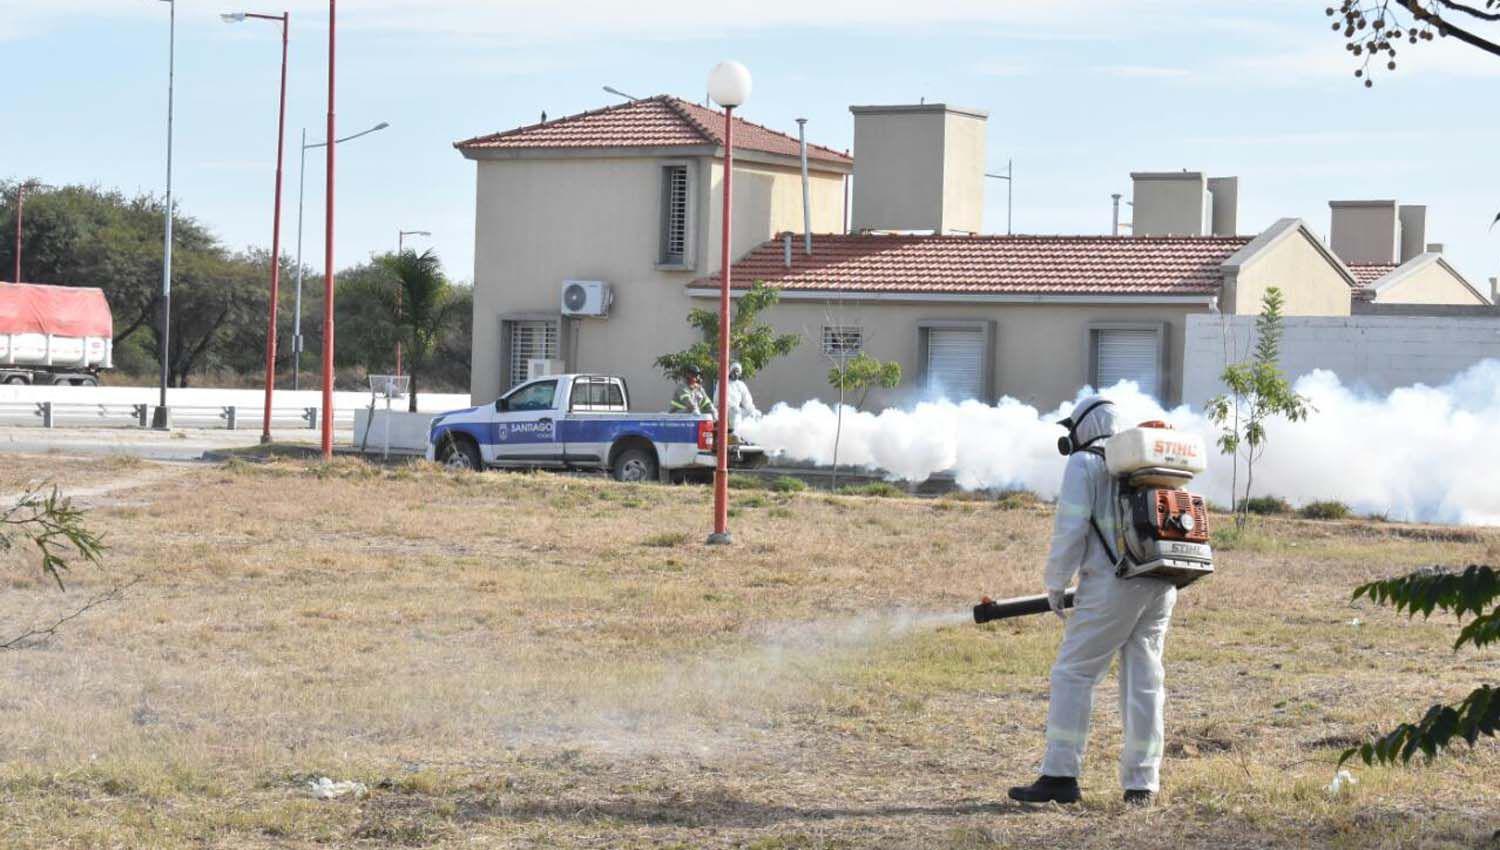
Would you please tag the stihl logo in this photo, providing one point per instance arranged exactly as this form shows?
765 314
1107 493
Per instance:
1164 447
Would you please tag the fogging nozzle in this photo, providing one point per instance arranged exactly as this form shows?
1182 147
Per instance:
989 609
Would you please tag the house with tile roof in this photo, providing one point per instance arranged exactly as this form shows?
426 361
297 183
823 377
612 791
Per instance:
1385 245
897 264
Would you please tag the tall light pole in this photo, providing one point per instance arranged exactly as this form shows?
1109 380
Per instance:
400 249
1010 182
20 210
301 192
286 25
729 86
328 275
163 418
616 92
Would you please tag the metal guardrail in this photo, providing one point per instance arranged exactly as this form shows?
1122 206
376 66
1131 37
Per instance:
52 414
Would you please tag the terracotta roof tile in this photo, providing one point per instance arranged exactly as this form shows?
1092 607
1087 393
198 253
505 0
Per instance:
1367 273
1037 265
662 121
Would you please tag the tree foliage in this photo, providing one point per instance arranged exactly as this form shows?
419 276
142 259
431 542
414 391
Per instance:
405 297
1258 391
1373 30
54 528
1473 591
862 372
751 342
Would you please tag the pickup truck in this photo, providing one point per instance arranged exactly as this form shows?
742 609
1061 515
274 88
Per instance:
580 422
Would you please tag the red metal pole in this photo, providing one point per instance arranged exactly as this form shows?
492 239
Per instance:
265 430
327 422
20 205
721 430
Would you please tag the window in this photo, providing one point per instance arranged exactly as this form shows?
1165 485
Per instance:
597 394
676 203
842 339
537 396
955 362
530 340
1128 353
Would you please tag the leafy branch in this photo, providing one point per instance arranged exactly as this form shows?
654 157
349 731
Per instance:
1472 591
54 527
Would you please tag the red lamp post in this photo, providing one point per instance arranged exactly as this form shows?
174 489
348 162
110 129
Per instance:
286 21
729 86
327 422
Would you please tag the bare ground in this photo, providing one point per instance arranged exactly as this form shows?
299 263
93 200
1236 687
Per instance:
540 661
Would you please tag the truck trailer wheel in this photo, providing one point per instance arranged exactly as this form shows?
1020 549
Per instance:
17 380
635 464
459 454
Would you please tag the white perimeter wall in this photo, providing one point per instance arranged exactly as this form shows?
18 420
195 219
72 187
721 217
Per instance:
1376 353
210 397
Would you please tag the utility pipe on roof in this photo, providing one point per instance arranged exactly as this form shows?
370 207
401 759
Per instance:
806 195
786 253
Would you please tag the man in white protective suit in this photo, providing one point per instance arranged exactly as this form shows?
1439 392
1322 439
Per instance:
1112 615
740 403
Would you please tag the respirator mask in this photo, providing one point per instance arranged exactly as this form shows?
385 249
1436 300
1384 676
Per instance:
1069 444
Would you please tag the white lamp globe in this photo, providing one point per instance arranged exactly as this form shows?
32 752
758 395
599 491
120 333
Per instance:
729 83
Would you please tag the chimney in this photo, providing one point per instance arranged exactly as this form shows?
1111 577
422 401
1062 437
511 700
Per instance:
1412 219
1434 247
1184 203
1366 232
1494 290
918 168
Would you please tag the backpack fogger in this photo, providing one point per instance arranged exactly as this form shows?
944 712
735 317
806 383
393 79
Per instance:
1161 528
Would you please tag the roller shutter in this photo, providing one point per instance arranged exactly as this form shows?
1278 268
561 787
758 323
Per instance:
955 362
1129 355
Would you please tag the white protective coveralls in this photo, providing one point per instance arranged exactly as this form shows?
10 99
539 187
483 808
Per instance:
1111 615
740 401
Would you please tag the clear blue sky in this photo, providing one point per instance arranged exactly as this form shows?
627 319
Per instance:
1080 92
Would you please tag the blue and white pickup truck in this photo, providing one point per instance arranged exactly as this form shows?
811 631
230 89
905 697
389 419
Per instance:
579 422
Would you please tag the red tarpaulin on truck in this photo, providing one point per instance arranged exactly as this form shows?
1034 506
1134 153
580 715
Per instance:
60 310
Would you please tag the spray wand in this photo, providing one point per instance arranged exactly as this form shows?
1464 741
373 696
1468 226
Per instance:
989 609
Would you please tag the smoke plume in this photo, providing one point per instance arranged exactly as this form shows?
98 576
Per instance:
1420 453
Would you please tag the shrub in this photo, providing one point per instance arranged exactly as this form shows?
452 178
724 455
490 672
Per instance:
876 489
788 484
740 481
1328 509
1266 505
665 540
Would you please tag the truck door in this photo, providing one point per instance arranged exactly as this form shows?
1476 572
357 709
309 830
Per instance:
525 426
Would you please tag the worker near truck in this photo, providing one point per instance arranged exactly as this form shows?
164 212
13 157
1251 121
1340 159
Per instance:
738 400
691 397
1112 616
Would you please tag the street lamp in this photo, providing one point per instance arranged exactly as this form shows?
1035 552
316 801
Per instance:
614 91
729 86
286 22
163 418
328 275
301 191
400 249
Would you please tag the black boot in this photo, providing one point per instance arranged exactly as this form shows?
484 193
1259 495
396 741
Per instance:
1048 789
1140 798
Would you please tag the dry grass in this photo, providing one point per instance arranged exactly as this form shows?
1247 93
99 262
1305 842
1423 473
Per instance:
517 660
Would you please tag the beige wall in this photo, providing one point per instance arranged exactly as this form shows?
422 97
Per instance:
542 221
963 173
1169 204
1311 284
920 168
1431 284
1365 231
1041 351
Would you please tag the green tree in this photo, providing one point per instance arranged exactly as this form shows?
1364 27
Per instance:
1258 391
857 374
419 302
751 342
1472 591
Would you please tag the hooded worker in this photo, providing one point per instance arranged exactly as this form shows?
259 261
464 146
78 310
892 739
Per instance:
740 401
1112 616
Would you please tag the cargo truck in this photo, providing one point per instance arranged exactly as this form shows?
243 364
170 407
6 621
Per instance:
60 335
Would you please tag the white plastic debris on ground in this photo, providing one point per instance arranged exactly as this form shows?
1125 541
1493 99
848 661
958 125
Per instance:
1341 780
324 788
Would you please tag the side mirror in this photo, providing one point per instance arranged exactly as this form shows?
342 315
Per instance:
502 405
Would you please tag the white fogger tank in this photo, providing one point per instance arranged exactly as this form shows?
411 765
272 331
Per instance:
1162 529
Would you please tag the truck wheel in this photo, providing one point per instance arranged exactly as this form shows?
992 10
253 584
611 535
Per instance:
459 454
17 380
635 464
88 382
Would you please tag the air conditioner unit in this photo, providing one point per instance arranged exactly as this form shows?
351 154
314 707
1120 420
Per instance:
586 298
536 368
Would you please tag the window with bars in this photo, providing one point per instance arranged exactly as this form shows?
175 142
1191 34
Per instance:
675 208
843 339
530 340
